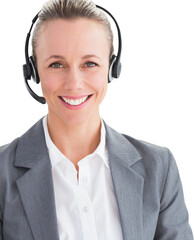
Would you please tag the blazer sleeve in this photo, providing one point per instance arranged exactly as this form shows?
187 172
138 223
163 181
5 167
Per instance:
173 221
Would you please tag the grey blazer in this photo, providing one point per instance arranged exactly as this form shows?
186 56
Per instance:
145 178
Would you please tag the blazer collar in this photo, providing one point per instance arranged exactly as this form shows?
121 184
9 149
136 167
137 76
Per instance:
37 192
32 147
121 148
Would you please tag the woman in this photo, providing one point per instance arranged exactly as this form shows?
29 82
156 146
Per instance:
71 176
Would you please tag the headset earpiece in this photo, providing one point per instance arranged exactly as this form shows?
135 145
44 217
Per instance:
30 71
34 71
27 71
110 74
114 68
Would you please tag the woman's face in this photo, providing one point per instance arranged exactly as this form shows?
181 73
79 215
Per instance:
73 63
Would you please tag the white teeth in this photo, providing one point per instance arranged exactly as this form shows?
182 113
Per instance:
74 102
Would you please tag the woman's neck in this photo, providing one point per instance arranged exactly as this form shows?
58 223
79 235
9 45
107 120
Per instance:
75 141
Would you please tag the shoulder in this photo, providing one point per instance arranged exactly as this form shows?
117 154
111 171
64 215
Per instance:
7 153
7 157
154 157
149 150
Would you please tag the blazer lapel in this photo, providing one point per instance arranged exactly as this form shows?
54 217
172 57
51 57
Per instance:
36 185
128 184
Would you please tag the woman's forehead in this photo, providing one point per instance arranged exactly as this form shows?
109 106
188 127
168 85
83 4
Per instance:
73 35
76 27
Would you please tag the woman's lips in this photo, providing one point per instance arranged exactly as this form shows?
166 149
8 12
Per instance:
75 102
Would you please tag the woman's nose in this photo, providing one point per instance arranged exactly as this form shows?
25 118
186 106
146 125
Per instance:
74 79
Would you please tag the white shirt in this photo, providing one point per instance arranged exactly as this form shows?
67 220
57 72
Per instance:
86 207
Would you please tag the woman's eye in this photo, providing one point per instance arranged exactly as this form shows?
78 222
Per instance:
56 65
90 64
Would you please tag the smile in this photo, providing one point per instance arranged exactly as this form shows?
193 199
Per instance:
75 102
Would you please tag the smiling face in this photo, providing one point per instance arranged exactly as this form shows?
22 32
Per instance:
73 62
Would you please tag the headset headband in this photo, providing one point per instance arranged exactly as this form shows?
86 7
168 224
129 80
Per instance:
30 71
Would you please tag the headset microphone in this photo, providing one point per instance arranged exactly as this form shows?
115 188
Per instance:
30 70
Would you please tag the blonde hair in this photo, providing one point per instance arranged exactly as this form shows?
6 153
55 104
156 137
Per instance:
69 10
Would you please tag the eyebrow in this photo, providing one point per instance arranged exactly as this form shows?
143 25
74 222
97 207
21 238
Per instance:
90 56
61 57
54 56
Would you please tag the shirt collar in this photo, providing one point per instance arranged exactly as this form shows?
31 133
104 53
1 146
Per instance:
56 156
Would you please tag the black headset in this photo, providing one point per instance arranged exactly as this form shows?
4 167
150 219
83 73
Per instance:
30 70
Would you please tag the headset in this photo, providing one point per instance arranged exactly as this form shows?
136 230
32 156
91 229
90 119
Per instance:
30 70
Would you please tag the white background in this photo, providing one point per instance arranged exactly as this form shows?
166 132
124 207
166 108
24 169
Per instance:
153 100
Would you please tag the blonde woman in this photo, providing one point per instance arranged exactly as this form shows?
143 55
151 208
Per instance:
71 176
